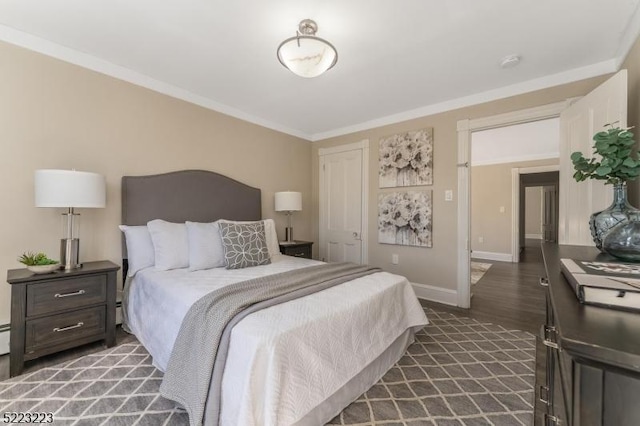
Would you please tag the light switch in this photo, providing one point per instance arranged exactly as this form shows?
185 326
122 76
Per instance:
501 209
394 259
448 195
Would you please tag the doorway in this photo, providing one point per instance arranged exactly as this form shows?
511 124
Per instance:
538 210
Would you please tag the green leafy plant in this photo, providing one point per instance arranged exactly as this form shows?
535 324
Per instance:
35 259
618 163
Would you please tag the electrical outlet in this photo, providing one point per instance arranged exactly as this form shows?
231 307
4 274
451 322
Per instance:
395 259
501 209
481 240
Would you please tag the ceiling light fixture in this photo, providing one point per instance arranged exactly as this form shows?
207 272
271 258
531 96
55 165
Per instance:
305 54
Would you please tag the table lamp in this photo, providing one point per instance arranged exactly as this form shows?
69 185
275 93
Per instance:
69 189
288 202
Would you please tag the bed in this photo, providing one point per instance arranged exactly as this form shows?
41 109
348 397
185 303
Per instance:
295 363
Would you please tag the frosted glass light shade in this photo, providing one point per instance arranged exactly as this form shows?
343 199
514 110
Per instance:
288 201
307 56
69 188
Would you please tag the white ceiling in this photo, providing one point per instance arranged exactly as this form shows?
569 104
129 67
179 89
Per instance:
397 59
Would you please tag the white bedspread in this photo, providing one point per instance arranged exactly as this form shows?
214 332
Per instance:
285 360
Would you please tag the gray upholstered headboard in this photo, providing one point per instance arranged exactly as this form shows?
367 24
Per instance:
194 195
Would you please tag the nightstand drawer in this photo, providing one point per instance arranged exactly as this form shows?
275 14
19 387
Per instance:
67 327
304 251
53 296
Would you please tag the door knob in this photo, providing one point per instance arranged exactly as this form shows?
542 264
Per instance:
356 236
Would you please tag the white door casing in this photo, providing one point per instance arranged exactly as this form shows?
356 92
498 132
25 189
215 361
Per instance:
465 128
343 196
578 123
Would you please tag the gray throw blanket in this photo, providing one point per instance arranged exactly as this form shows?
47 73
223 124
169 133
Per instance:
194 372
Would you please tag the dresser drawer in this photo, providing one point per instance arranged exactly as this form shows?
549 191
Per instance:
54 296
67 327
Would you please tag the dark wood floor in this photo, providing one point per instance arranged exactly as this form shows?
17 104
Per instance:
509 294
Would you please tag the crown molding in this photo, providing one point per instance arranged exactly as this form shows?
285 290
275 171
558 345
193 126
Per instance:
564 77
84 60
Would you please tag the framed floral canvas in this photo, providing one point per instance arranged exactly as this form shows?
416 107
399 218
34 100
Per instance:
406 159
405 218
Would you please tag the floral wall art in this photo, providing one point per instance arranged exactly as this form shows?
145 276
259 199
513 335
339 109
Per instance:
406 159
405 218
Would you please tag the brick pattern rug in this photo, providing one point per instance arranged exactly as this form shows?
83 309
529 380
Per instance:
458 372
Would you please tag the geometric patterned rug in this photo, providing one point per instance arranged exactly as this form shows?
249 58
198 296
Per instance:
478 269
458 372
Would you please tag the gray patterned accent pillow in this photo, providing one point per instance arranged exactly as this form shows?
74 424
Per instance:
244 244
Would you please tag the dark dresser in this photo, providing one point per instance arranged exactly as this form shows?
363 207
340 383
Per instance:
297 249
61 310
593 353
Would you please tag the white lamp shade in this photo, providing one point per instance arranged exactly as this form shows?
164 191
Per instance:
307 56
288 201
69 188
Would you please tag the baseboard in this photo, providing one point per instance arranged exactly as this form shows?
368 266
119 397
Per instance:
488 255
533 236
436 294
5 332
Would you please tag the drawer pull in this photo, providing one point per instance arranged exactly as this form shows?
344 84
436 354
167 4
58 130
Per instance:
298 254
544 282
75 293
71 327
548 335
543 390
549 419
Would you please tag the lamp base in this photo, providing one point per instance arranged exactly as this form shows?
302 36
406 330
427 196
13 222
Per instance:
69 253
288 232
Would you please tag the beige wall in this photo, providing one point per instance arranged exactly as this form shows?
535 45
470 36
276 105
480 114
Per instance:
434 266
57 115
491 190
533 210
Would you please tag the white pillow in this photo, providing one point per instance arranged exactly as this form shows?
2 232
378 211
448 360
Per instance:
269 233
140 251
272 237
205 246
170 244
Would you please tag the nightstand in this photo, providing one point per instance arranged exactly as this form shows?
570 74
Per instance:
297 249
61 310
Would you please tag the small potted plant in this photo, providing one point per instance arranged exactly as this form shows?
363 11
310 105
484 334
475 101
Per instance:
38 263
615 162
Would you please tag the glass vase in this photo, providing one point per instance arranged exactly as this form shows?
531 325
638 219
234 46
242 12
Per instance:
619 212
623 241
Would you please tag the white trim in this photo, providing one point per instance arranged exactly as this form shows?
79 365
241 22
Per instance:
533 236
465 127
363 144
363 147
516 159
46 47
4 341
67 54
539 169
435 294
464 223
515 203
515 215
576 74
489 255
